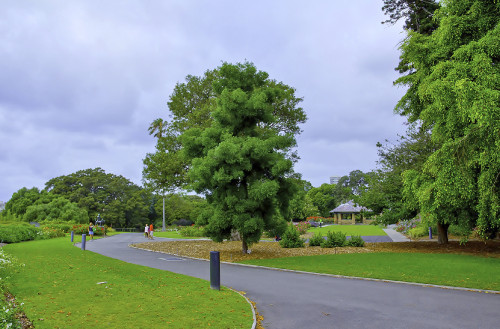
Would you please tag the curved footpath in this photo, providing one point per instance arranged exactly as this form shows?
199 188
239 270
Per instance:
288 299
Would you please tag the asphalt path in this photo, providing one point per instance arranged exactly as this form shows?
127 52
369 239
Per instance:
300 300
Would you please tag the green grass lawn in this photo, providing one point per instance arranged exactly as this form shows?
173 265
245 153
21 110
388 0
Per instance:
59 286
441 269
349 229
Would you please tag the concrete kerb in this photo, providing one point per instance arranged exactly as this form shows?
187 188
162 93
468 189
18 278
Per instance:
336 275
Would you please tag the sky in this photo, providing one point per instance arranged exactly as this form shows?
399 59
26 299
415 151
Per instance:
81 80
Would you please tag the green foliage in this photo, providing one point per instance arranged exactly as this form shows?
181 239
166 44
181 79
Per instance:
59 209
323 198
120 202
316 240
16 233
334 239
453 88
242 161
302 227
192 231
355 241
291 238
8 309
384 191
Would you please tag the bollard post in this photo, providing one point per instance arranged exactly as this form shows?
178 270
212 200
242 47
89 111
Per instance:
215 270
83 241
72 235
430 232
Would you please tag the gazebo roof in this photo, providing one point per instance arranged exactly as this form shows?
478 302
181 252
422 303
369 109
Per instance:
349 207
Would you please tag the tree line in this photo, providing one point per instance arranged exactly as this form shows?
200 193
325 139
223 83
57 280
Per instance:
79 197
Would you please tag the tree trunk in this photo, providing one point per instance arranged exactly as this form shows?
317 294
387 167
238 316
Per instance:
442 233
244 246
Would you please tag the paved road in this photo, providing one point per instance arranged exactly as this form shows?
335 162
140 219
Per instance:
296 300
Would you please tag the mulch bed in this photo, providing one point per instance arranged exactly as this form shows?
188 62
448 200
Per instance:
230 251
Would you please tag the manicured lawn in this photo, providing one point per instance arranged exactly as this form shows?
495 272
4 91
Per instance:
171 235
349 229
441 269
64 287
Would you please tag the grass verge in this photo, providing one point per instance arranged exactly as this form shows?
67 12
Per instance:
64 287
441 269
349 230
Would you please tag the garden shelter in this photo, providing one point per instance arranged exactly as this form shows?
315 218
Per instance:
349 210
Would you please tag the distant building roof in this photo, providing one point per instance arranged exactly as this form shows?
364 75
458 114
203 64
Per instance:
349 207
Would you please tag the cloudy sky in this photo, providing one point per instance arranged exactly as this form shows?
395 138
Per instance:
80 81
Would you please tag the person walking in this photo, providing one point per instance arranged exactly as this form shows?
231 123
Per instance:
151 232
146 231
91 230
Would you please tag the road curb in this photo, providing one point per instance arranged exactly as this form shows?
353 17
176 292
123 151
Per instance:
339 276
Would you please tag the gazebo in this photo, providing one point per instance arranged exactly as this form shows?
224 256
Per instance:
346 209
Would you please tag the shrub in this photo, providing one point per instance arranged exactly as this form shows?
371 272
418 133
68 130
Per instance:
49 233
316 240
355 241
192 231
302 227
17 233
8 309
334 239
291 238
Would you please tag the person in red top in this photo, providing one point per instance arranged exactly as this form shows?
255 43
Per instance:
151 231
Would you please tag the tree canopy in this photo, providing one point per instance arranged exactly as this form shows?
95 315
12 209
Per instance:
120 202
242 161
453 89
191 105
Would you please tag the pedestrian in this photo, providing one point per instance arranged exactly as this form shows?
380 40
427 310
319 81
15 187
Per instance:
146 231
91 230
151 231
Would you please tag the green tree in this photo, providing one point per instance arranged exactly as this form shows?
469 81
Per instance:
242 162
20 201
453 89
112 196
418 14
323 198
58 209
384 191
191 105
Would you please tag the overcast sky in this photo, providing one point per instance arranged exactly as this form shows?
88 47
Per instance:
80 81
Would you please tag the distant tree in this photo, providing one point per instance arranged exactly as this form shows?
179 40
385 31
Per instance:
118 200
242 161
58 209
323 198
384 192
301 205
453 89
20 201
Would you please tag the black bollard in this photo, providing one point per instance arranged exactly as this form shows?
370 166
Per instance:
215 270
430 232
83 241
72 235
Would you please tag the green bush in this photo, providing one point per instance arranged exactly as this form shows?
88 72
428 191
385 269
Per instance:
17 233
291 238
355 241
192 231
418 231
334 239
50 233
316 240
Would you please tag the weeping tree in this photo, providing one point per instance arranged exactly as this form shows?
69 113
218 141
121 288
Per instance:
453 90
242 162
